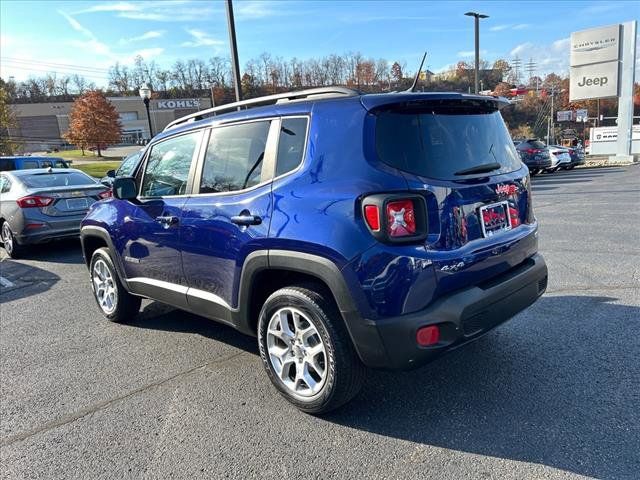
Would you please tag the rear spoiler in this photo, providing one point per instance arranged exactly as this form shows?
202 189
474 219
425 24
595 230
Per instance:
413 100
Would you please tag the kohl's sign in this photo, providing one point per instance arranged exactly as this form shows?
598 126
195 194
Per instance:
173 104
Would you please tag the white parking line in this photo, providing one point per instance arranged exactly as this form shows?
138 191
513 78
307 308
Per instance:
5 283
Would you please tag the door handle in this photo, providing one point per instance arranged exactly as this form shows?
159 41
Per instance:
246 219
167 220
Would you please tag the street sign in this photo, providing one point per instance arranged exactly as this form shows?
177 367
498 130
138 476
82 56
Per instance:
565 116
582 115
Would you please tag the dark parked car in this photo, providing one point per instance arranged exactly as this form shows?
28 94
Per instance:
44 204
535 154
343 230
8 164
126 168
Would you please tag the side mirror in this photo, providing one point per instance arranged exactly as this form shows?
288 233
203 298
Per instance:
111 173
124 188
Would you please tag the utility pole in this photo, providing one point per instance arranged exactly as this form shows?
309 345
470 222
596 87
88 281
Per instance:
235 66
477 17
553 94
530 68
516 63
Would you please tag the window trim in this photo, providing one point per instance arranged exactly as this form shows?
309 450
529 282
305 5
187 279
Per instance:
190 176
270 155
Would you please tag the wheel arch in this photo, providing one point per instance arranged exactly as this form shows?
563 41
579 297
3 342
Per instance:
93 237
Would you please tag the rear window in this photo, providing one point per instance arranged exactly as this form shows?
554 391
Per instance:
44 180
536 144
440 142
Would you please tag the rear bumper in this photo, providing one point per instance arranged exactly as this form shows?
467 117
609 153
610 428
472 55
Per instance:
462 317
544 163
49 231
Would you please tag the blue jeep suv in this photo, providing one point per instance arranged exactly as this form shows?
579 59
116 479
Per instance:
343 230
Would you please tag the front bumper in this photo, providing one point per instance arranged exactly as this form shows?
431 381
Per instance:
462 317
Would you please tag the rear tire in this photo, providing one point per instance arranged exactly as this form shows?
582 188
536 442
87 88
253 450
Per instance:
306 350
9 242
115 303
534 171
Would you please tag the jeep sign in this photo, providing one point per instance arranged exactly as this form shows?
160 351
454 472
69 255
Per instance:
594 81
172 104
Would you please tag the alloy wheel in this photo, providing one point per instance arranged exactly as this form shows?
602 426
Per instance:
296 352
104 287
7 238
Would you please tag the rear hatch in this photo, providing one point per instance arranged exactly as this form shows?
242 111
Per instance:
457 154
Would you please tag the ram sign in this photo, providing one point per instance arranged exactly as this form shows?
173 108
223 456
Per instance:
595 56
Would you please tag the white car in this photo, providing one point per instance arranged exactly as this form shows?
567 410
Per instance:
559 157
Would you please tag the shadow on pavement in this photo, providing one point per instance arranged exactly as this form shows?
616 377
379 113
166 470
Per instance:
563 393
24 280
58 251
157 316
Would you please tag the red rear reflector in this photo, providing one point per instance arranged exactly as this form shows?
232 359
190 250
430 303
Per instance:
372 216
106 194
426 336
34 201
401 218
29 226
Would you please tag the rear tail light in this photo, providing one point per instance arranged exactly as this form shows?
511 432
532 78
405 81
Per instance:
34 201
401 218
514 217
106 194
396 218
533 150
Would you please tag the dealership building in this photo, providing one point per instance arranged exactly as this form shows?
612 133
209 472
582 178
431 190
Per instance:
40 126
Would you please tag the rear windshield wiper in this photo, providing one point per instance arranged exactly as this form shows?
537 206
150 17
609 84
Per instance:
484 168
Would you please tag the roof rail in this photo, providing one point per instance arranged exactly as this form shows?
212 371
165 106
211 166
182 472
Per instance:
267 100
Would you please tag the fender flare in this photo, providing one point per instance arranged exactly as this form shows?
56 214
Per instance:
102 233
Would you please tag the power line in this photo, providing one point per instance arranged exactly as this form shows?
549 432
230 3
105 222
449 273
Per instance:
38 62
59 72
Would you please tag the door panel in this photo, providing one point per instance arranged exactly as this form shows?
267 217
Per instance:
231 216
152 253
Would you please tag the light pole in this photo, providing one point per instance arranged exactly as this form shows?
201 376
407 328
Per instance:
235 66
145 95
477 17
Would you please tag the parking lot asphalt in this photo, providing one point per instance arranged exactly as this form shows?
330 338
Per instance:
554 393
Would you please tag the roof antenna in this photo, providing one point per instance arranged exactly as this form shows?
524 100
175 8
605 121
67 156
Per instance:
415 80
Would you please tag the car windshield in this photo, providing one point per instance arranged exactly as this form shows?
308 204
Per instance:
58 179
445 143
128 165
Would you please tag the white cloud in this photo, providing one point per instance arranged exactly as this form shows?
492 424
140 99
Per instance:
471 53
156 10
77 26
553 57
111 7
200 39
509 26
253 10
145 36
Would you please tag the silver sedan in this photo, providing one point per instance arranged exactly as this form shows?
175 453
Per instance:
39 205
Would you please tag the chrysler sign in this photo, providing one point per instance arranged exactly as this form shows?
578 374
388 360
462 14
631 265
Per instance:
595 56
595 45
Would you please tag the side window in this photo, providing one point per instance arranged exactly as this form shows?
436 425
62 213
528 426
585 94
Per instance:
30 164
234 157
293 134
168 166
46 164
5 184
6 165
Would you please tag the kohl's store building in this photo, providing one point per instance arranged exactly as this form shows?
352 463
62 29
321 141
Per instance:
40 126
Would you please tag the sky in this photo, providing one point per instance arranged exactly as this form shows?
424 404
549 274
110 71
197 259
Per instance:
87 37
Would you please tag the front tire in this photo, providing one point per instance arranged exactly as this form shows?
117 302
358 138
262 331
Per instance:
9 242
116 304
306 350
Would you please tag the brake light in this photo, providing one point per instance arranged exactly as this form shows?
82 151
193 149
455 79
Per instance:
372 216
514 217
427 336
401 218
106 194
32 201
531 151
